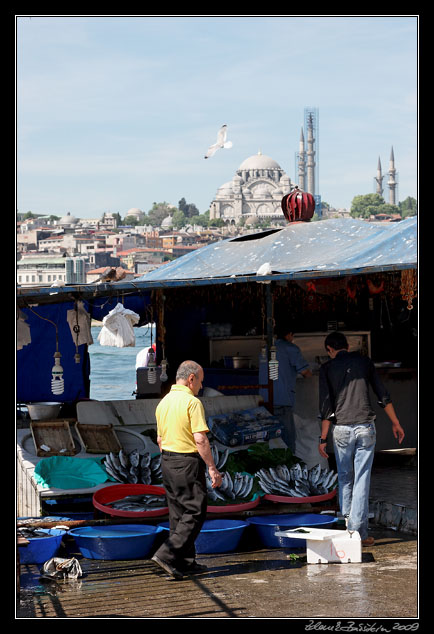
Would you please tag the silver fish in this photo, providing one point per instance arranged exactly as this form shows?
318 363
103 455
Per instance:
155 463
283 472
330 480
123 459
247 486
238 483
296 471
146 476
278 481
314 474
222 459
266 476
214 453
113 473
133 475
134 458
130 506
227 486
214 495
139 502
114 459
265 486
145 460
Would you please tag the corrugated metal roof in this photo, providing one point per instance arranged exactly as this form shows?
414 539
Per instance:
331 247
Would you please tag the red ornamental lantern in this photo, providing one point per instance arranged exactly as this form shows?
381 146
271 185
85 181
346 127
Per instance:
298 206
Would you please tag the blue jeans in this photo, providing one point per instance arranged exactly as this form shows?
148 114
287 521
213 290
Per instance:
354 447
285 415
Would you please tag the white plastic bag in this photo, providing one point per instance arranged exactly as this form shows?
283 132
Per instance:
59 568
117 329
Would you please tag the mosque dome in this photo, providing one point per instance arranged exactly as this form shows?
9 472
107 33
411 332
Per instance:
254 192
68 220
167 223
259 161
135 212
225 189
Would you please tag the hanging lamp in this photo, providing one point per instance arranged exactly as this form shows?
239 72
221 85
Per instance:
273 364
57 382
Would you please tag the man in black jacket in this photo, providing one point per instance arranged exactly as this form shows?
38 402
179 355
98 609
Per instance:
344 401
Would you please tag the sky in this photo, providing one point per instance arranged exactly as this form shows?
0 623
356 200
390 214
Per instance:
116 112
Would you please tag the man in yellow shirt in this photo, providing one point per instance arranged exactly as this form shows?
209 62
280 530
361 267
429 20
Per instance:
185 451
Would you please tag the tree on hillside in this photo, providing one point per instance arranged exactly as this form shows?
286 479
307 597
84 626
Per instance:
158 213
217 222
131 221
189 209
408 207
202 220
368 205
178 219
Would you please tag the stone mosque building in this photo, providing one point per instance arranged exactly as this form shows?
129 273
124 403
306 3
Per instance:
255 192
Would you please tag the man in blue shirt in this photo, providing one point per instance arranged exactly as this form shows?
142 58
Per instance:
291 363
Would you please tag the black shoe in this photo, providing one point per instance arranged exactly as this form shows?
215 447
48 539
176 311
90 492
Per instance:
196 567
173 572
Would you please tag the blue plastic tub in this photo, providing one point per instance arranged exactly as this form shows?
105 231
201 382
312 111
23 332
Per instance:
217 536
41 549
267 525
120 541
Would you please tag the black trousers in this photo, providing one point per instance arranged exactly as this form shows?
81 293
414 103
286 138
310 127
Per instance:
184 480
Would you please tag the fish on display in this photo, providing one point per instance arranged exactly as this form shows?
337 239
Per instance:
233 488
220 458
297 481
31 533
134 468
139 503
237 487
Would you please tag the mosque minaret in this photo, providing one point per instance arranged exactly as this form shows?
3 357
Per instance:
310 165
392 179
301 163
392 182
379 179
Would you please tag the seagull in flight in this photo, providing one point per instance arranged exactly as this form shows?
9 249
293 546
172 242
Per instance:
221 142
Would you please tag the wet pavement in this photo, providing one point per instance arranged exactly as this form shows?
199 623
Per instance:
250 583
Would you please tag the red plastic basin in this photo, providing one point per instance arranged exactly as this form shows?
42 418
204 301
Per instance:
108 494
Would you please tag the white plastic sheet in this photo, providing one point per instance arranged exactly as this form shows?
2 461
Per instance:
23 330
117 329
60 568
81 318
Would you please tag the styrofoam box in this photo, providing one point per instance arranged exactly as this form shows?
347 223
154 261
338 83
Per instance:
328 546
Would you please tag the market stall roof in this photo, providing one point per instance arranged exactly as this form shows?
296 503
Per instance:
301 250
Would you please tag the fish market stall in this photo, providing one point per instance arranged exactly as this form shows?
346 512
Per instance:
257 466
92 440
346 274
129 421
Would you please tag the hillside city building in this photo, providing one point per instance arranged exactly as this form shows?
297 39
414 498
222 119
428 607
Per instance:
70 250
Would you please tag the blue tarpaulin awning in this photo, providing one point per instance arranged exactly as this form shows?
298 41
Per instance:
302 250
